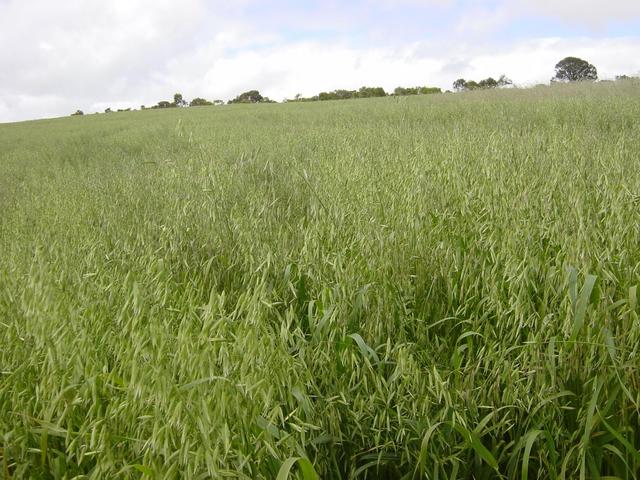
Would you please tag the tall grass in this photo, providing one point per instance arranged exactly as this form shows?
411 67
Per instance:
430 287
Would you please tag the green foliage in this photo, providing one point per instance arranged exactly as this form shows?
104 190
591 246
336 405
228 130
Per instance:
199 102
626 78
437 286
178 101
338 95
488 83
573 69
371 92
164 104
462 84
77 112
363 92
401 91
252 96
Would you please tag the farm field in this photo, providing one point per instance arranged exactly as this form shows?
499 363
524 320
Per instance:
440 286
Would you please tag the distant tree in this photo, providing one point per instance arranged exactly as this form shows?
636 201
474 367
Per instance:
471 85
142 107
108 110
488 83
200 102
573 69
460 84
342 94
165 104
252 96
402 91
300 98
78 112
218 102
369 92
503 81
179 101
626 77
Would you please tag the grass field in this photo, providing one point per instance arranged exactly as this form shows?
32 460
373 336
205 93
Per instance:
442 286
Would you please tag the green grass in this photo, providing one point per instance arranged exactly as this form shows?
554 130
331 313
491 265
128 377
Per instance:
427 287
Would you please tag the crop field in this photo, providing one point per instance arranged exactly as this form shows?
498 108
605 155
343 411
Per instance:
440 286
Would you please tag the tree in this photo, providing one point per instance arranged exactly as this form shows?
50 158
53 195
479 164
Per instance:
471 85
573 69
199 102
503 81
108 110
178 100
402 91
460 84
252 96
488 83
368 92
626 77
78 112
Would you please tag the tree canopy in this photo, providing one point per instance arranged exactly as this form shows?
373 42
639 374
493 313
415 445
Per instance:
461 84
178 101
199 102
366 92
401 91
574 69
252 96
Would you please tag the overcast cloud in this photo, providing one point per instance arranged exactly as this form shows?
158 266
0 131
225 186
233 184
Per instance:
57 57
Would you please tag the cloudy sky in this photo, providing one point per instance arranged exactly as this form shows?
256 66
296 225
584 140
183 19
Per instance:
59 56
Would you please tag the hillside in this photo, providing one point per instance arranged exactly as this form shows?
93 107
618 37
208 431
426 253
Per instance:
439 286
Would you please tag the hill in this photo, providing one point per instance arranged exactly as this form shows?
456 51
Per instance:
425 287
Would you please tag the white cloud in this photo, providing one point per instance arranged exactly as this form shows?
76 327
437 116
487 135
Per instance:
592 12
309 68
90 54
87 51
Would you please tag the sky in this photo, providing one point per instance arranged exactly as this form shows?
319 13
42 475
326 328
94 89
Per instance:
60 56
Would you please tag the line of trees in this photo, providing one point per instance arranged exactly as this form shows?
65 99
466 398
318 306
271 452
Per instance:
252 96
366 92
463 85
569 69
179 102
